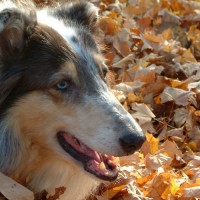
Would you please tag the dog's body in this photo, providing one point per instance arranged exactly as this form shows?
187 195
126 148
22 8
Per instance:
56 109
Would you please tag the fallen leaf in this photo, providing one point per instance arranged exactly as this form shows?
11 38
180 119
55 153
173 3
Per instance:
180 116
13 190
180 97
156 161
192 192
150 145
171 149
143 114
109 26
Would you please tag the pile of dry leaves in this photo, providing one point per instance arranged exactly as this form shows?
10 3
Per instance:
153 49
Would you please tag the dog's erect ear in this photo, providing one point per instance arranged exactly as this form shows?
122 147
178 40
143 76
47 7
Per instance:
14 27
81 13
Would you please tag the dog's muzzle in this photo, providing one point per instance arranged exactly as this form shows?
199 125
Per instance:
101 165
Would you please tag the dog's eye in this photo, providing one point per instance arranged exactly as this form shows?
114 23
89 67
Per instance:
62 85
105 71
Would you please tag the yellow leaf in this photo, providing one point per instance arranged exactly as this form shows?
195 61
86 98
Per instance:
119 188
172 189
197 113
132 98
175 83
158 185
193 146
143 180
150 145
153 38
157 99
153 143
112 192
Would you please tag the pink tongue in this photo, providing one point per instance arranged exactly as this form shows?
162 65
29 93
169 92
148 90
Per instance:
80 147
100 164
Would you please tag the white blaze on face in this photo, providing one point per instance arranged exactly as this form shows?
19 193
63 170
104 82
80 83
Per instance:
66 32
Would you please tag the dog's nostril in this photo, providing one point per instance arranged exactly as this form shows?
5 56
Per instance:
131 142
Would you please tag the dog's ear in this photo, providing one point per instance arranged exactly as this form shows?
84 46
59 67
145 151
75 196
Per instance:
6 86
14 28
81 13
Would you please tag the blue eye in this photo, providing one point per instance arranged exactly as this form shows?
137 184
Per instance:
62 85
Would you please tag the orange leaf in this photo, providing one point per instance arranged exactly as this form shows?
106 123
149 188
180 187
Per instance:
109 26
150 145
151 37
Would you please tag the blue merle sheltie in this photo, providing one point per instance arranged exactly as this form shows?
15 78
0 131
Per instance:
60 124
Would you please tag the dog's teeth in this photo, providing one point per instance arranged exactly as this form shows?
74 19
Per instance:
110 162
105 156
82 148
97 156
115 160
112 157
102 166
75 140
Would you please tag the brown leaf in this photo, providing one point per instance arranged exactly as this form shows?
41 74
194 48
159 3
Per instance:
180 97
171 148
109 26
121 43
143 114
150 145
180 116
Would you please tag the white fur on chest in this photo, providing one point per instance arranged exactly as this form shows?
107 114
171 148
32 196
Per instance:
77 182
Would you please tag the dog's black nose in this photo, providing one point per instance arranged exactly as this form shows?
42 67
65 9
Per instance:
131 142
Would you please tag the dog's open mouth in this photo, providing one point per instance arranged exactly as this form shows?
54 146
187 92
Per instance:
101 165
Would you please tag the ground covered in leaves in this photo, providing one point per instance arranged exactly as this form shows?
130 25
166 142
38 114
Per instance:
152 50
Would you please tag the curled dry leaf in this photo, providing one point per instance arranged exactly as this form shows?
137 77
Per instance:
180 116
143 114
192 192
179 96
154 162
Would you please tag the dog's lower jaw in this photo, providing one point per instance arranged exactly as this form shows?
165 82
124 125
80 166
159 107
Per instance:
78 184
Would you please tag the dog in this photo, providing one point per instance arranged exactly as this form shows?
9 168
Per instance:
60 124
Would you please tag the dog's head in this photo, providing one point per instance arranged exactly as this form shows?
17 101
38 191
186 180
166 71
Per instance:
54 98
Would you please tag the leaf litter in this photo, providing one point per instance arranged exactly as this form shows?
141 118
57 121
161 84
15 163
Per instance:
153 53
155 60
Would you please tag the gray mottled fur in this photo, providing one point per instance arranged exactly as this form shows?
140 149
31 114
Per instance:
9 148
